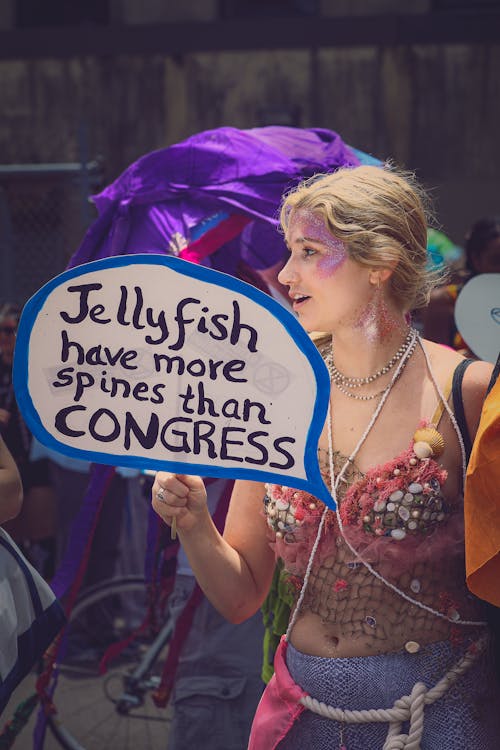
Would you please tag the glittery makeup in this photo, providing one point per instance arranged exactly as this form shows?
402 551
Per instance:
328 264
376 320
315 230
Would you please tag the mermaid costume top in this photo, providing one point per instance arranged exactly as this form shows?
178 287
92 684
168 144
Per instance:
392 553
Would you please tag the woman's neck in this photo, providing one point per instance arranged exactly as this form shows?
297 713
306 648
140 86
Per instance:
358 355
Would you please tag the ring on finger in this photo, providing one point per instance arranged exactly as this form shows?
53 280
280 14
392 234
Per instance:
160 495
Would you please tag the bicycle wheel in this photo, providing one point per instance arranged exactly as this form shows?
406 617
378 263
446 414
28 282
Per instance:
113 711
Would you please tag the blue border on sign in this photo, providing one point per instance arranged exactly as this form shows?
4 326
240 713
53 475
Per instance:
313 484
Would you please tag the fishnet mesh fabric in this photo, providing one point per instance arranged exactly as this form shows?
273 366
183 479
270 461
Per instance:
357 605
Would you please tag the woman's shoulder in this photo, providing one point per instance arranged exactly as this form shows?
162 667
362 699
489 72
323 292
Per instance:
443 358
474 391
473 384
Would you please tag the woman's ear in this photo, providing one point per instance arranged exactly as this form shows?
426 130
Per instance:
379 276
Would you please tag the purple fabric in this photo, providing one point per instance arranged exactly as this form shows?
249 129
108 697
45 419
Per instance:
177 189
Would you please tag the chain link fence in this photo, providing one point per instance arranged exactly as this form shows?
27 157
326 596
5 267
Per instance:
44 212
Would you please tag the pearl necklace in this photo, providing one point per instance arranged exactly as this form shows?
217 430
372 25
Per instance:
352 382
343 383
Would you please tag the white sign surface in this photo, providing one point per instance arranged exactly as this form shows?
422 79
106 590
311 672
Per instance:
477 315
152 362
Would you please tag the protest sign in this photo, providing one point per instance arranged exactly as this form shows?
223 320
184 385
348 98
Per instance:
477 315
152 362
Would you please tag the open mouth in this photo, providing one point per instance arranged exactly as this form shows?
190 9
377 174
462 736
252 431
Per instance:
299 301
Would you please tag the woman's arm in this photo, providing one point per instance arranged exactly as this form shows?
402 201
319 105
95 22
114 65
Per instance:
475 384
234 571
11 489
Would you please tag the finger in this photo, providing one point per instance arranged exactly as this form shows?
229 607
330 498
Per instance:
174 484
159 493
167 512
192 482
168 499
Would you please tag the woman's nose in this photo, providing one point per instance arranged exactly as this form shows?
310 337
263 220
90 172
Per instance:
287 274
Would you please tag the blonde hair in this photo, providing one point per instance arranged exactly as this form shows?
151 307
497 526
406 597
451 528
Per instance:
379 214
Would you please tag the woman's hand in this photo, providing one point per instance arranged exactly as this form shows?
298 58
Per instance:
180 500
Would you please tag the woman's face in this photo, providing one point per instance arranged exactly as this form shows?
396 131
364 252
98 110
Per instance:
326 287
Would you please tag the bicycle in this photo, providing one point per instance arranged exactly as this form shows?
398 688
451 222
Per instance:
118 711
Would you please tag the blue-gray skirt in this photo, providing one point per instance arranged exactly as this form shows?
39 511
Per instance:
466 717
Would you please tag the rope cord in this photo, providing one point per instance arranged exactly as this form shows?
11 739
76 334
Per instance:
448 411
408 708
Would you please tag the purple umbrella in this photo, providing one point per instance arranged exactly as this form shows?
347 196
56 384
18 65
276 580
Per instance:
213 198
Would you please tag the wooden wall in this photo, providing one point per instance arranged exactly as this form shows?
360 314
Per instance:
432 108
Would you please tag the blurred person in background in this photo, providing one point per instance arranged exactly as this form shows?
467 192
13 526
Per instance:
482 255
30 615
33 529
11 490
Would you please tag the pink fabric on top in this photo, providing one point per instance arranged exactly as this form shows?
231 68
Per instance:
279 706
212 240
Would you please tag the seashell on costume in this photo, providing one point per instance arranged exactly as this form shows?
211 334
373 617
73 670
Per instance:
422 449
432 437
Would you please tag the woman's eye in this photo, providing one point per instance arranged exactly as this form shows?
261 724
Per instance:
308 252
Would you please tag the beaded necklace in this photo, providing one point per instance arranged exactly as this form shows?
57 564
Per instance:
343 382
409 344
355 382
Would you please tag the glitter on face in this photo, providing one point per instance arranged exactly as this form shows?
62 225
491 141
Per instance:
377 321
315 230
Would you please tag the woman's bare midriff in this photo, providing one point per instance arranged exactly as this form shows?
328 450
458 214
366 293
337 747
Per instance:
310 635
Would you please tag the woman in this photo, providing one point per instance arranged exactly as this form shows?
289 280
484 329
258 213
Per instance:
482 255
33 529
30 616
11 424
382 610
11 490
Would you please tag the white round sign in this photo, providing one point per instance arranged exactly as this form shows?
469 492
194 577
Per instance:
477 315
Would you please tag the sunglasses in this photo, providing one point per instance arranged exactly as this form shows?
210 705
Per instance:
9 330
